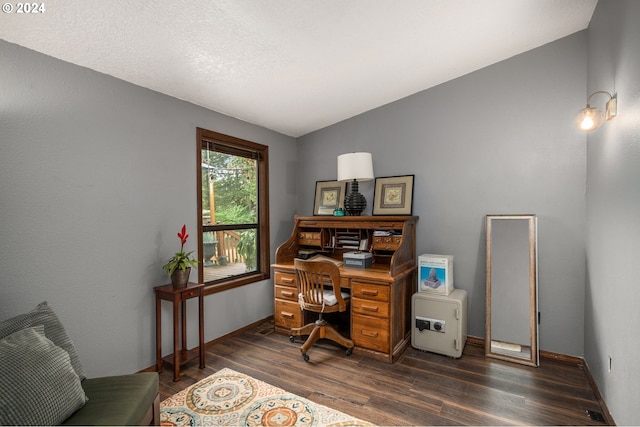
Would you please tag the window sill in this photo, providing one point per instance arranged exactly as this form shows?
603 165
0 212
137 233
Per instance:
214 288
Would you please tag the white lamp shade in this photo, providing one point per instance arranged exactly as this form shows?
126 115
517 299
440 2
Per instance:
358 166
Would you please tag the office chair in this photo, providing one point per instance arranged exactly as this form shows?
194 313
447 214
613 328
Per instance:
311 277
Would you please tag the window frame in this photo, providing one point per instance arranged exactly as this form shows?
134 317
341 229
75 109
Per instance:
237 146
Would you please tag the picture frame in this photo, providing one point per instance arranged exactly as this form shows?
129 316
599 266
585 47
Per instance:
329 196
393 195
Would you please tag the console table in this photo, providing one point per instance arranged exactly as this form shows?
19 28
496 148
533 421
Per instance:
380 295
179 297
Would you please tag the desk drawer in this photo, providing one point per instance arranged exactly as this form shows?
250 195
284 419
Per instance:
369 291
287 314
285 279
345 282
190 293
370 333
312 238
370 307
286 292
386 243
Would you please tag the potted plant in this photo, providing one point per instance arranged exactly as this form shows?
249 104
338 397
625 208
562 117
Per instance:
179 266
209 244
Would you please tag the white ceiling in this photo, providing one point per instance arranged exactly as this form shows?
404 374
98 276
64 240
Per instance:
293 66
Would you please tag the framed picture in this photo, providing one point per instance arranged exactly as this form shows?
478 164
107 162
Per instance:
393 195
329 196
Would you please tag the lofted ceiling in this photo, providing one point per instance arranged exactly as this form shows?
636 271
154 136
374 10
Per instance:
293 66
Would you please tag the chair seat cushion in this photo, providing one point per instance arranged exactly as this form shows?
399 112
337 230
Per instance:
117 401
330 298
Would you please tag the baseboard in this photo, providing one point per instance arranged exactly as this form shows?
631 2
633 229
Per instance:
475 341
603 405
572 360
238 331
212 342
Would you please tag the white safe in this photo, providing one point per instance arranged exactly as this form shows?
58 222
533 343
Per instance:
439 322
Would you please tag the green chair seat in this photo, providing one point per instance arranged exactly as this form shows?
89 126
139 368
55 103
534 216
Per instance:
118 401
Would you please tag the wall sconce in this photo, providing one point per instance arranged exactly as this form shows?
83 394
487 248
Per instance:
355 167
590 118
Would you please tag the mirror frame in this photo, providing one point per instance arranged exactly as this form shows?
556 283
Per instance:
533 360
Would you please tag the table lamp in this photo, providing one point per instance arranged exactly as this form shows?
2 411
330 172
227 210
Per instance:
355 167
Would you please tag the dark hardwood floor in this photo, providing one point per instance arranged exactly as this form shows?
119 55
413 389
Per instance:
419 389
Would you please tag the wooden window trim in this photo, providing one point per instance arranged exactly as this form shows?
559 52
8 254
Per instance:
229 145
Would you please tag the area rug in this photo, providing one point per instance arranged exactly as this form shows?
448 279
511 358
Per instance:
230 398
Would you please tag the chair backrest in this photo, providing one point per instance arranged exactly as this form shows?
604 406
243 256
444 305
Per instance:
312 277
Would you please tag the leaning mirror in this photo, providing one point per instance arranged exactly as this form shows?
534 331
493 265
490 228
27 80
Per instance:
512 299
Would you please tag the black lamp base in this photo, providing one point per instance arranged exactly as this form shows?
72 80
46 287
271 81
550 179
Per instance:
354 202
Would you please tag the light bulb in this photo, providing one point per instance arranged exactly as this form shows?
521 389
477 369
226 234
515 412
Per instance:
587 123
589 119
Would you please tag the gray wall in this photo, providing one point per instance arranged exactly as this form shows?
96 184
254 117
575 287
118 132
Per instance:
499 140
613 210
98 176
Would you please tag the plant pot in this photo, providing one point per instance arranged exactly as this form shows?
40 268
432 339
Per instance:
180 278
209 250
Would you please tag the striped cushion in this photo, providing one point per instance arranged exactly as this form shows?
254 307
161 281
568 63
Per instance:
53 329
38 385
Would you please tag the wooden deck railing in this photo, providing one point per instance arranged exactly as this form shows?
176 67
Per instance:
230 247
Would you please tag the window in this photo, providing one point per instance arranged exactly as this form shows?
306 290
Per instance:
233 225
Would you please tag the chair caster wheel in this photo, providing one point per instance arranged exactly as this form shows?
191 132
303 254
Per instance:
305 356
292 338
349 351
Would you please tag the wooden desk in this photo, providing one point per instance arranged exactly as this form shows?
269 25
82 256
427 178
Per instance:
179 297
380 305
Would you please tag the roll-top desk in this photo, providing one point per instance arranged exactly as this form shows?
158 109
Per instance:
380 295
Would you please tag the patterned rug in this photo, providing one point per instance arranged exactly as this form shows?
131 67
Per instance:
229 398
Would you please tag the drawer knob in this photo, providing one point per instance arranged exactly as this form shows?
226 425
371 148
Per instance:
369 308
287 280
369 292
371 334
287 294
287 315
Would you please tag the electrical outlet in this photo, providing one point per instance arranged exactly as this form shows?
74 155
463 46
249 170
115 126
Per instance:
596 416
